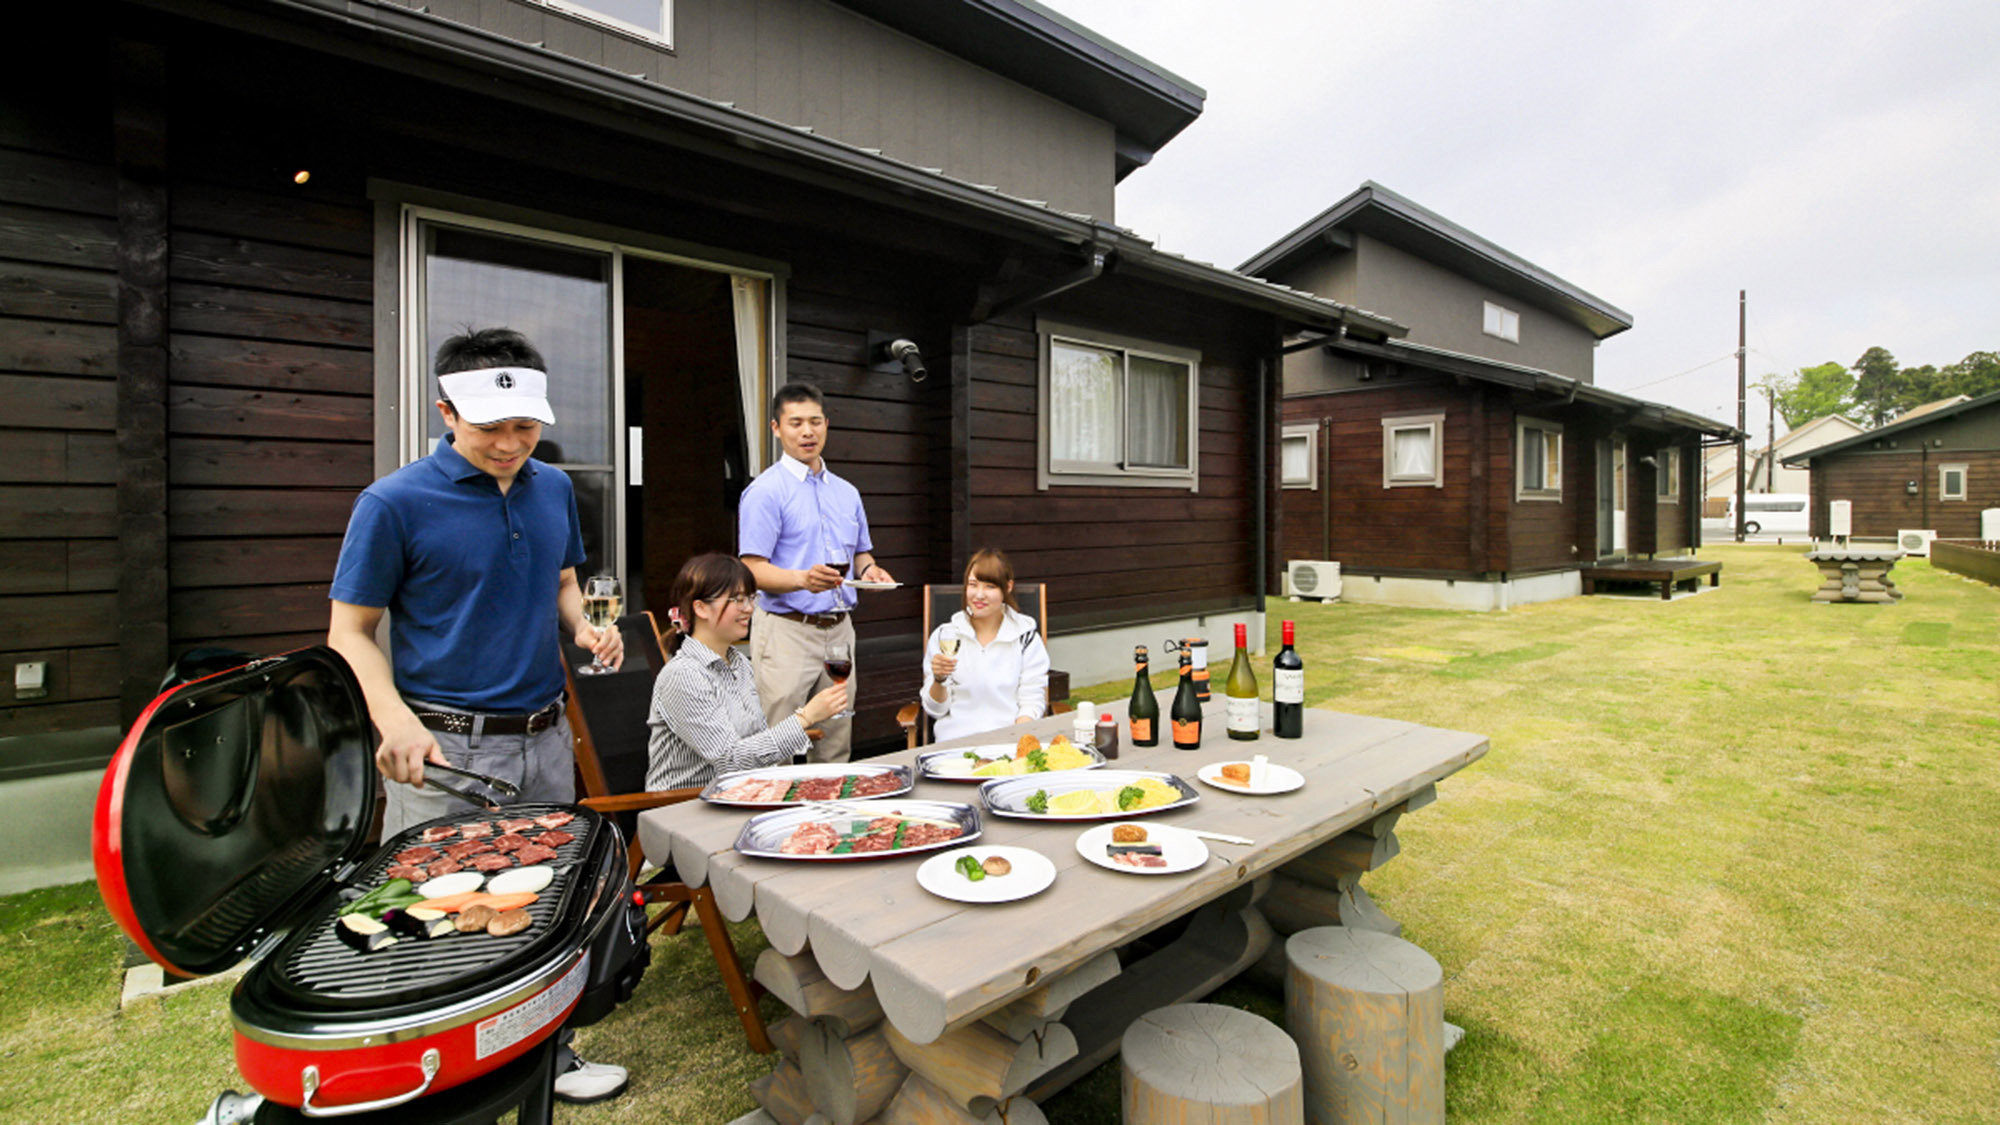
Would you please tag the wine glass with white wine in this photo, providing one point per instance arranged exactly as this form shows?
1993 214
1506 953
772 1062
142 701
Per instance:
603 599
948 645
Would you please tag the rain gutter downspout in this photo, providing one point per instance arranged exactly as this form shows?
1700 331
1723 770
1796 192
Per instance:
1083 275
1261 519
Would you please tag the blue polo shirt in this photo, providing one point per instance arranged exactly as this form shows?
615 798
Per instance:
797 519
469 578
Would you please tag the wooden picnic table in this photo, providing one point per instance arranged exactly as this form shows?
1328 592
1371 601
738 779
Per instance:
985 1002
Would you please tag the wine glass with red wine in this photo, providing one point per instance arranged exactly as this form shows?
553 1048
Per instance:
839 666
839 562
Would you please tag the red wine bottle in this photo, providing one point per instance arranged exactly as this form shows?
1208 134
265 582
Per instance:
1288 690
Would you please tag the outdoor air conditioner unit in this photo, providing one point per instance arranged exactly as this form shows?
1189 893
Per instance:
1309 579
1840 519
1915 542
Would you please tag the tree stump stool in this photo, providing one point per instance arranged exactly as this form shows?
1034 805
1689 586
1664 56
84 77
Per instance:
1204 1064
1367 1011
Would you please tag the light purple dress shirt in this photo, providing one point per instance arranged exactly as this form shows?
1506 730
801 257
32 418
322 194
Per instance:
798 519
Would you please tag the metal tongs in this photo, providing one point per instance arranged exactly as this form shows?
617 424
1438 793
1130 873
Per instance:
506 789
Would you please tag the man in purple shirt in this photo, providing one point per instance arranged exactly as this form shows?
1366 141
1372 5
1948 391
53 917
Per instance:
798 528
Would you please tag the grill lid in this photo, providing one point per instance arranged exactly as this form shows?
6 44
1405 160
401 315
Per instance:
230 803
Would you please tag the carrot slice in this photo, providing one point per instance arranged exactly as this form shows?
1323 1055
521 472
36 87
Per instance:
452 904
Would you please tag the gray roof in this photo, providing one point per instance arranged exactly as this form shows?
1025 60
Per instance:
1376 211
372 24
1901 426
1146 103
1537 380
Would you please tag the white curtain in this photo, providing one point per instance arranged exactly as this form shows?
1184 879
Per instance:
1157 434
1414 456
751 298
1083 403
1297 464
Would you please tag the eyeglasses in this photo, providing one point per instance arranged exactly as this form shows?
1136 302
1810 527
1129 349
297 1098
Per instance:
740 601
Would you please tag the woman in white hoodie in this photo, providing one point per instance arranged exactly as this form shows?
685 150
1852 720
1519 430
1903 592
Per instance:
999 673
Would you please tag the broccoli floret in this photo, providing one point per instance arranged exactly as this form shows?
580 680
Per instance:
1130 797
1038 801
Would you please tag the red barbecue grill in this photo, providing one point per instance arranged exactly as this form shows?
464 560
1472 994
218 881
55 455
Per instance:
231 824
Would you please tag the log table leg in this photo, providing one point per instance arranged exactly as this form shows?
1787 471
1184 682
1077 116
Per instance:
1368 1013
1212 1064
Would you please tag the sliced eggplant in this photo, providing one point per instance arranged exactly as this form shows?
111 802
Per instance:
364 933
417 923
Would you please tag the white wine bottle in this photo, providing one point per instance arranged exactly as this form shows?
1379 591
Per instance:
1242 691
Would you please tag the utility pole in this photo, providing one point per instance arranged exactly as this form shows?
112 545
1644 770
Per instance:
1742 382
1771 450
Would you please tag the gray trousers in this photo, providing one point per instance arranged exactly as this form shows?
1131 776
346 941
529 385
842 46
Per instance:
543 765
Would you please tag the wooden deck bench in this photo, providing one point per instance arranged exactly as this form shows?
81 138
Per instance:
1669 573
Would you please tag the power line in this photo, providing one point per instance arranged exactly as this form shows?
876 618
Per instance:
1689 371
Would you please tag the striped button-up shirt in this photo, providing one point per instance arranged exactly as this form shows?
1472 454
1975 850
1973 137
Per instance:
706 721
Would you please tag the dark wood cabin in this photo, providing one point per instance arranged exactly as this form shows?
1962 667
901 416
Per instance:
1476 449
1936 472
233 231
1481 509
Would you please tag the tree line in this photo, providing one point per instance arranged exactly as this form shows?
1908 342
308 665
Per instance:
1875 388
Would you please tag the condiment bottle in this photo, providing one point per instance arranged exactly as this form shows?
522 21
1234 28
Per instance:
1083 727
1107 736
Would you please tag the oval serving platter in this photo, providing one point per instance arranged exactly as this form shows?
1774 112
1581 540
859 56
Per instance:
716 792
1009 796
930 761
764 835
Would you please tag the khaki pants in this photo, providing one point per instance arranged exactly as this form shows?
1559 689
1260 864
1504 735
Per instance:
789 658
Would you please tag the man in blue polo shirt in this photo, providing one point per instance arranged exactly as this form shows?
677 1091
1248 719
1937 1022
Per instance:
473 552
794 520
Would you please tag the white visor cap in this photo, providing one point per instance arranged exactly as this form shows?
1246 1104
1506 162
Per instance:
492 394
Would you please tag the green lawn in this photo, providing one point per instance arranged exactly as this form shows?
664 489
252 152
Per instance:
1731 858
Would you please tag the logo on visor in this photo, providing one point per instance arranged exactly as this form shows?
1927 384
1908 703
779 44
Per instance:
504 381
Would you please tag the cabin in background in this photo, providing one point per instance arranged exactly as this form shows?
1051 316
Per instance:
236 231
1765 472
1931 471
1472 463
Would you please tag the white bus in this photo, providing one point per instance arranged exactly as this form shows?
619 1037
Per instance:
1774 513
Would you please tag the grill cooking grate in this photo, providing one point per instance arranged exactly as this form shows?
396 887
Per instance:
326 968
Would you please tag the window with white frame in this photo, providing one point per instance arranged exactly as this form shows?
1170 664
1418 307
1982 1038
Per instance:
1538 456
1503 322
1668 474
1298 454
647 19
1951 482
1117 411
1413 451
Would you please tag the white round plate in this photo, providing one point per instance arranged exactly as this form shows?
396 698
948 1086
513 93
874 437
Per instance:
1032 874
1183 851
1277 779
864 584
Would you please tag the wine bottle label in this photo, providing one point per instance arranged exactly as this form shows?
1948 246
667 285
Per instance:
1142 730
1289 685
1187 730
1243 713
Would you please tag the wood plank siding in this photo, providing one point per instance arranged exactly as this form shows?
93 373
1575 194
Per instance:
58 362
1877 484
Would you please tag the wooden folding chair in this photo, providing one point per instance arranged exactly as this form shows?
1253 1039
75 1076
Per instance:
940 602
607 718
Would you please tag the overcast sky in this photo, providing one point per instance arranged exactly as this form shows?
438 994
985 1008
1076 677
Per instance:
1839 160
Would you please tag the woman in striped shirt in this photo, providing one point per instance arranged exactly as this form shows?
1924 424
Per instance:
705 717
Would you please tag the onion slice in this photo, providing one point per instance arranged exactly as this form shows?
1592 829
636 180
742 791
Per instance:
456 883
521 880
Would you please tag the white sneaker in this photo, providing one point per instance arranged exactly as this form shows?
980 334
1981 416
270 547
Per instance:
584 1082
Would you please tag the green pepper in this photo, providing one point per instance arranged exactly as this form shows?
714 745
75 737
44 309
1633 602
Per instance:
1038 801
376 901
1129 797
1038 761
970 868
